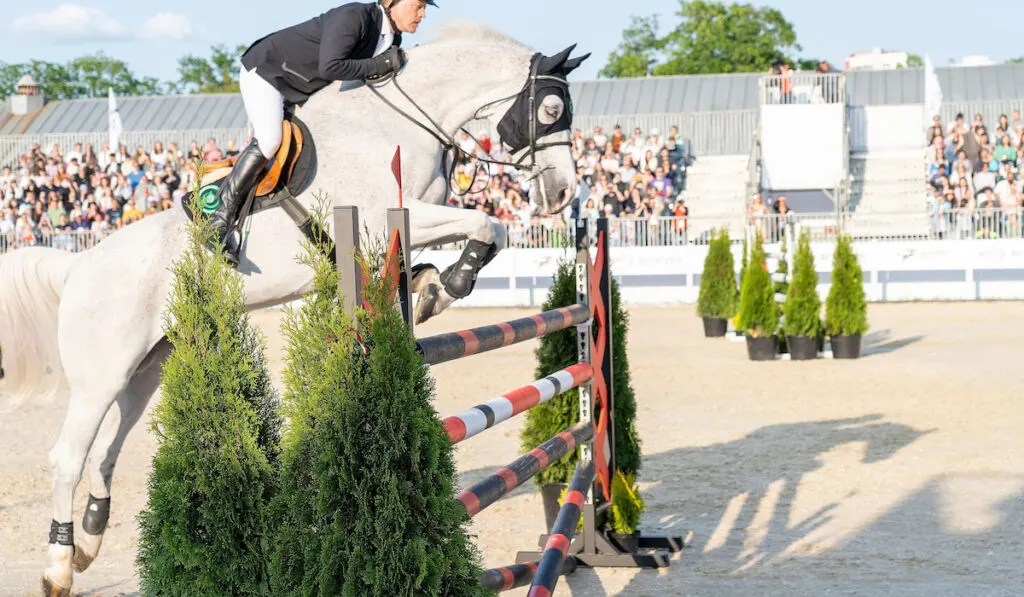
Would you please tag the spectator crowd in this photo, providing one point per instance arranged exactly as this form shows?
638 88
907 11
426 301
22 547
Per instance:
74 198
974 177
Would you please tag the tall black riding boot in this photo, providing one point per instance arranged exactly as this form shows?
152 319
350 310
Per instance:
233 193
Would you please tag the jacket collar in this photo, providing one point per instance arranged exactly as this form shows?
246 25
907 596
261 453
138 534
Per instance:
384 23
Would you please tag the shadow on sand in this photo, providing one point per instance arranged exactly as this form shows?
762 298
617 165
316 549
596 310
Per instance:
717 491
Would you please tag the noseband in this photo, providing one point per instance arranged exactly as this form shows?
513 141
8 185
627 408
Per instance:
509 133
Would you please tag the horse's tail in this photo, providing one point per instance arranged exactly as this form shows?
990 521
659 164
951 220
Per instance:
31 282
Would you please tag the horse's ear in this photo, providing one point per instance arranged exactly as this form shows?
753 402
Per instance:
573 64
549 64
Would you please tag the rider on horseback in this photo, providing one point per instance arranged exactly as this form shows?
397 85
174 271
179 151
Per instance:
355 41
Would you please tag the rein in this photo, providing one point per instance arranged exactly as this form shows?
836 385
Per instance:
448 144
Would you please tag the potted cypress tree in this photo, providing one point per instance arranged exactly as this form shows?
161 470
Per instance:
803 305
743 272
716 302
780 288
759 312
368 476
205 526
558 351
846 317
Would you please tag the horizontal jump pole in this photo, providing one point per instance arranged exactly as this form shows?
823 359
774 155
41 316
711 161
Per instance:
518 575
498 485
475 420
546 576
455 345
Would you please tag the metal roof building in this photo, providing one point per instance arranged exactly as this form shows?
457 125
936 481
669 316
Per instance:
157 113
718 113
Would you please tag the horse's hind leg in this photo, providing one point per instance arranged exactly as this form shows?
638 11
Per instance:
96 377
119 421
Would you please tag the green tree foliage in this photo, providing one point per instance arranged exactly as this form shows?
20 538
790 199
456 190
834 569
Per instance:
803 305
216 74
85 76
637 52
712 37
718 290
367 502
559 350
846 306
204 530
914 61
91 75
759 313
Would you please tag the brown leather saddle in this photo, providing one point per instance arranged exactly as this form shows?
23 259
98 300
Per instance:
281 169
290 174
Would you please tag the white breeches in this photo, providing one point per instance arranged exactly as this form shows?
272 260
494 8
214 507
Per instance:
265 107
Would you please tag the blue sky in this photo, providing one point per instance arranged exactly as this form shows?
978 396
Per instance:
151 36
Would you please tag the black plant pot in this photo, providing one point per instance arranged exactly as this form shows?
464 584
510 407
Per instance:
762 349
846 347
802 348
549 495
714 327
627 543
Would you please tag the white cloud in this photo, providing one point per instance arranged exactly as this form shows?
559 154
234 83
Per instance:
167 25
70 22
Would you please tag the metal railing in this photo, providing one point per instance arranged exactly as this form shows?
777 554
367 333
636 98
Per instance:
802 88
958 224
955 224
754 167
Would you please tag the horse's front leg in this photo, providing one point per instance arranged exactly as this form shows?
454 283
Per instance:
436 225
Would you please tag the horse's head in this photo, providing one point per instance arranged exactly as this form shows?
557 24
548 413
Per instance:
536 130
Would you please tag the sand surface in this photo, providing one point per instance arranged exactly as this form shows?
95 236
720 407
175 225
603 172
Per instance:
898 474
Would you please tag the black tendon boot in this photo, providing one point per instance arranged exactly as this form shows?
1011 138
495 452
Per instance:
233 193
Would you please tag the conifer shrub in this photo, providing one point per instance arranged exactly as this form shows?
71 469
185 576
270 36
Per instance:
759 313
557 351
717 298
367 505
846 305
803 305
205 527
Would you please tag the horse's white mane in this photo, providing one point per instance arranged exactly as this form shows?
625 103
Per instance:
456 31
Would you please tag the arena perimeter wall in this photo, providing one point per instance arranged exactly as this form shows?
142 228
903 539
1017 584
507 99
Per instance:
894 271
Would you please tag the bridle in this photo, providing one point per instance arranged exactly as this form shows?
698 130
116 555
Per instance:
528 93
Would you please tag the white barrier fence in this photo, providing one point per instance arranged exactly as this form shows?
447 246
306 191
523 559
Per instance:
893 271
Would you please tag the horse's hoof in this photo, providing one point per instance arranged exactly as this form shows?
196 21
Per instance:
82 560
427 301
52 590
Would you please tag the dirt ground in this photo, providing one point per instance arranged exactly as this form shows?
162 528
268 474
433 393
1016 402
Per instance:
898 474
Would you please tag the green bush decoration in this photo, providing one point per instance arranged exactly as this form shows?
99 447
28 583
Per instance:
742 274
367 504
717 298
204 529
846 309
627 505
759 313
803 305
558 351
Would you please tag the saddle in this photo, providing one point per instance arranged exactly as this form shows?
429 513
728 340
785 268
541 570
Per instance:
291 172
282 166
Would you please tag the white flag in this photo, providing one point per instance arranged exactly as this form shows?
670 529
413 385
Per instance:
114 126
932 92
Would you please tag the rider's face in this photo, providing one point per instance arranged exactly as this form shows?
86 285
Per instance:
407 14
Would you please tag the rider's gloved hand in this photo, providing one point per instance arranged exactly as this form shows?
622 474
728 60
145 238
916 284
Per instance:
390 61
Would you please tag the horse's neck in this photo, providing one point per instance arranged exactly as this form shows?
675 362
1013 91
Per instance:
451 82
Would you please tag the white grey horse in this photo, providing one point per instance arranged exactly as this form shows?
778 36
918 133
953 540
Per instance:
90 324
